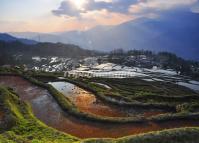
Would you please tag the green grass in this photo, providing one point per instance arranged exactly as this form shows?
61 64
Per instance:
136 90
187 107
183 135
70 108
25 128
21 125
108 95
170 103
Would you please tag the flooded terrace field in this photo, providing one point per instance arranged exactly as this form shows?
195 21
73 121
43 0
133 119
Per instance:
89 103
48 111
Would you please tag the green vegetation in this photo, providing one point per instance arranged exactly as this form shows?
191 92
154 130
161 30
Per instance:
7 71
150 98
8 49
20 125
70 108
173 100
23 127
186 135
137 90
165 60
113 96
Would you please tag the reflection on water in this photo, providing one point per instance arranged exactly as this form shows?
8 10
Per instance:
87 102
194 82
189 85
47 110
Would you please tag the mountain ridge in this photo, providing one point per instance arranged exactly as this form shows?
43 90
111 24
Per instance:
170 32
8 38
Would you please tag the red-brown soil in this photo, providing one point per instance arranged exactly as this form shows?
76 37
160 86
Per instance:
47 110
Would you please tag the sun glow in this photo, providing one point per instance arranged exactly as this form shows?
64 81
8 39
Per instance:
79 4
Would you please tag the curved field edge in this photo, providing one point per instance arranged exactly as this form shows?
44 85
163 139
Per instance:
89 84
22 127
182 135
68 106
183 114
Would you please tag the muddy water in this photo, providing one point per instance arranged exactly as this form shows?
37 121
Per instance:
87 102
47 110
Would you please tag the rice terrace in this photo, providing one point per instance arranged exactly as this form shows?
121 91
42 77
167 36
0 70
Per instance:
95 108
99 71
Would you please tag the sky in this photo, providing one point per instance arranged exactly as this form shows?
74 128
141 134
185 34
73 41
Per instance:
67 15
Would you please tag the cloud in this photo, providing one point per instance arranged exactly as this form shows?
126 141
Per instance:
146 6
128 7
67 7
117 6
104 17
195 8
113 12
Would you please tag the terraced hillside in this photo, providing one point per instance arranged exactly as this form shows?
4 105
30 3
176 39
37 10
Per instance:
96 108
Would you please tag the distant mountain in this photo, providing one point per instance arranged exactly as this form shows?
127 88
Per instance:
174 31
17 53
43 50
40 37
8 38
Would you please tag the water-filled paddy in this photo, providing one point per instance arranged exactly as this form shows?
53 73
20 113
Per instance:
87 102
192 85
47 110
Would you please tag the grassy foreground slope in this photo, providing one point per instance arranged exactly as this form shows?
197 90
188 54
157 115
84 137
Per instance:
18 125
183 135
